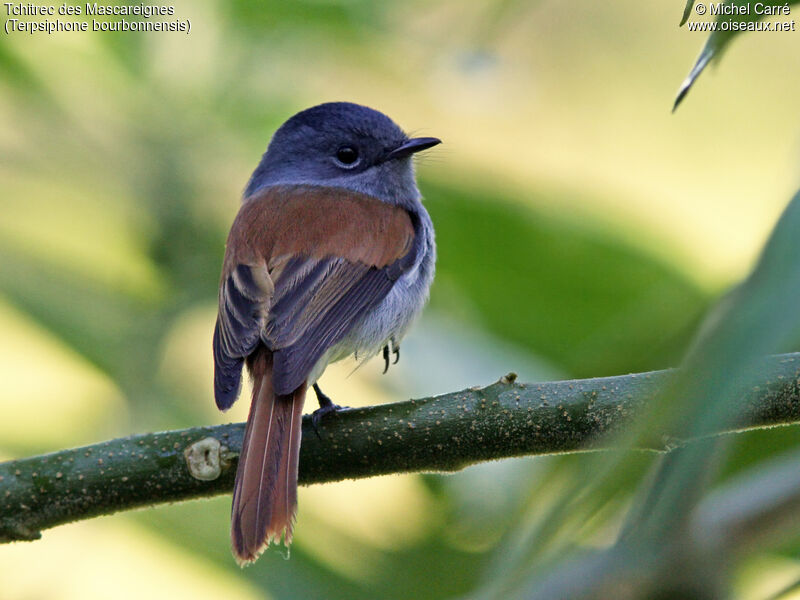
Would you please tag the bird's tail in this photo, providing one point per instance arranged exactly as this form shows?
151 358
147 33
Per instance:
265 492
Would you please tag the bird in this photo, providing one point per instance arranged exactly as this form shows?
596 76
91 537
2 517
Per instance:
331 254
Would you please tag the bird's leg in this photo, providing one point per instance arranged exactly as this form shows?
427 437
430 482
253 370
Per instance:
326 406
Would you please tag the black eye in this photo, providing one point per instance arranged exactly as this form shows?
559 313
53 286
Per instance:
347 155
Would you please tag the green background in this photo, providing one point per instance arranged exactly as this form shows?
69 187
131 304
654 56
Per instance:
583 230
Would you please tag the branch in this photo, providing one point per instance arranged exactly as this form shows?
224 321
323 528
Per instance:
445 433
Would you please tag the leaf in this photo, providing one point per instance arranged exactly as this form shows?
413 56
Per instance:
687 10
758 318
719 39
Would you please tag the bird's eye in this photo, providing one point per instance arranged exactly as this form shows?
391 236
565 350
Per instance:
347 155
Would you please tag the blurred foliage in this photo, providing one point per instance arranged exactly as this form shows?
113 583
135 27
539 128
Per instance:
586 302
122 160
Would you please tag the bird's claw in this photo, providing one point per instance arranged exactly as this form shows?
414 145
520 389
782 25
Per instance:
321 412
394 348
326 406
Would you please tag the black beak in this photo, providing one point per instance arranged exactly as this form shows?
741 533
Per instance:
411 146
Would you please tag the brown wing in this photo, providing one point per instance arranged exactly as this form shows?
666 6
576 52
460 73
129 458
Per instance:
302 266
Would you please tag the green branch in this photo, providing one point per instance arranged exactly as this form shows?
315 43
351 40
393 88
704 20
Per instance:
445 433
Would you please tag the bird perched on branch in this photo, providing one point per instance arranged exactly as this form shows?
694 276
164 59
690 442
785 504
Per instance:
332 254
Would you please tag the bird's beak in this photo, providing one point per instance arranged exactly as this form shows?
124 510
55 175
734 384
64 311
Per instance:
411 146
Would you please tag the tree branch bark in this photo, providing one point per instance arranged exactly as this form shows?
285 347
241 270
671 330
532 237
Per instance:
445 433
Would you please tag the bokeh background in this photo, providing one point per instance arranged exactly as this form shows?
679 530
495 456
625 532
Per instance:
583 230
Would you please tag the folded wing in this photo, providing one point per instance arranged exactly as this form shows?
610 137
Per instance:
303 265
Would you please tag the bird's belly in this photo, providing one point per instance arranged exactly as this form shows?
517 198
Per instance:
389 320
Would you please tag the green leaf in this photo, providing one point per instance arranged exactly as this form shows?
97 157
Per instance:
687 10
758 318
733 24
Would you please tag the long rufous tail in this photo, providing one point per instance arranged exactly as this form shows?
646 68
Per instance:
265 492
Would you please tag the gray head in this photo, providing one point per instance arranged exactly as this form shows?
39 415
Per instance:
340 144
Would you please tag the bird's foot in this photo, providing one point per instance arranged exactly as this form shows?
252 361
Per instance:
326 407
393 347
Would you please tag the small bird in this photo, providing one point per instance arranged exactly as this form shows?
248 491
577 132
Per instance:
331 254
